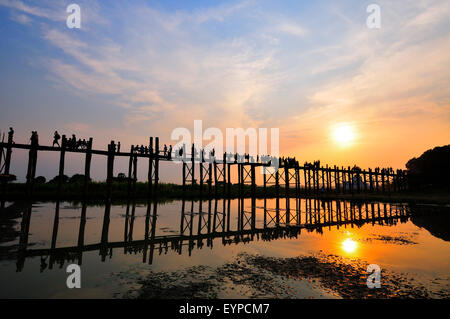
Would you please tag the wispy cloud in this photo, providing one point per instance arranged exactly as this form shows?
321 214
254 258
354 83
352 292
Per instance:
21 18
292 28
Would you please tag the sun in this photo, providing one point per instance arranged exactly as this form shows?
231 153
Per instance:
344 134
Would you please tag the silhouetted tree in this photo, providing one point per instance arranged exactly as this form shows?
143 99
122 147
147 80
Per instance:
77 179
55 179
121 177
431 168
8 178
40 180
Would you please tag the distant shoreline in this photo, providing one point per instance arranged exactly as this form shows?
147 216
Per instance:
98 191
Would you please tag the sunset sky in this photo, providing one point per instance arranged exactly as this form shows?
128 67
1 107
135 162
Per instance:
337 90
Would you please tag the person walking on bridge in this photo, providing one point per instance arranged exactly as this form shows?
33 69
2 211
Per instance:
56 138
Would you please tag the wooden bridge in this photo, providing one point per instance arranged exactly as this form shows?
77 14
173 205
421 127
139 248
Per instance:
309 178
208 221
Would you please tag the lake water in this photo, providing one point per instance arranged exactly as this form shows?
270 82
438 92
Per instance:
116 244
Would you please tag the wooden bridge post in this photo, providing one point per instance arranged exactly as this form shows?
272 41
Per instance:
135 158
336 179
350 179
319 179
394 181
193 163
110 169
157 164
87 167
1 156
344 180
383 189
130 170
314 179
184 176
286 179
6 167
358 181
61 163
264 182
377 173
309 179
241 169
305 179
323 178
150 169
365 180
229 179
8 155
370 180
388 180
277 182
210 179
330 179
215 178
31 172
224 172
201 173
252 170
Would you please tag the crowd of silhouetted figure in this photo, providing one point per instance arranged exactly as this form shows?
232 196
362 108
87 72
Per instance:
147 150
73 143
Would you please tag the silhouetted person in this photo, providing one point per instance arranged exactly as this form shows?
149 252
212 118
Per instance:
73 142
56 138
170 151
165 149
118 147
34 138
10 135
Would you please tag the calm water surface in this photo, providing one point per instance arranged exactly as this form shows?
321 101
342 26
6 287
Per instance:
38 243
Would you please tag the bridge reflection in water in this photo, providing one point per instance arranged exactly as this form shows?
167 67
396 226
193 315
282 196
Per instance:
205 221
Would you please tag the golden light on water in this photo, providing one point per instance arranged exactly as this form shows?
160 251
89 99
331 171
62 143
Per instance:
344 134
349 245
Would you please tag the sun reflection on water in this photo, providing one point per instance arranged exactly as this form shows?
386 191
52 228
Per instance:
349 245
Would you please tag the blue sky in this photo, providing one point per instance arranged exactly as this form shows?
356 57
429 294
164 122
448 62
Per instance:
141 68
